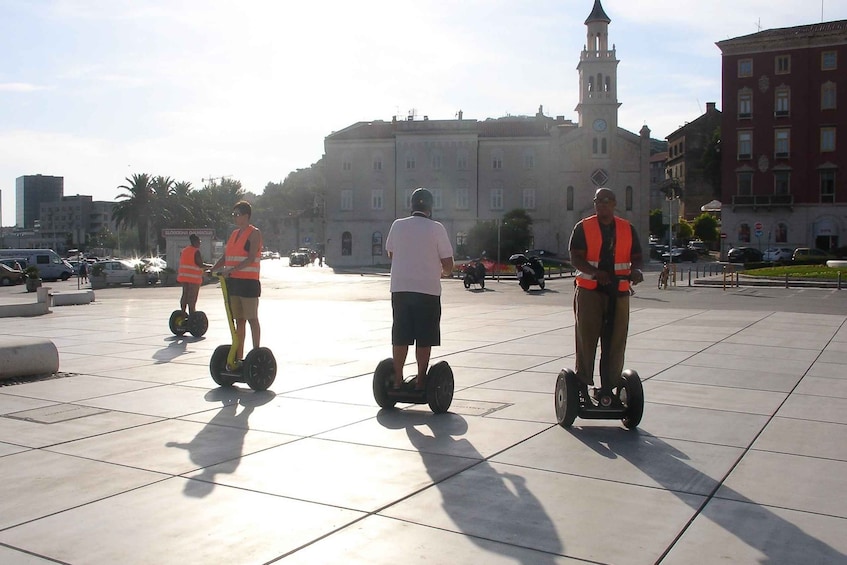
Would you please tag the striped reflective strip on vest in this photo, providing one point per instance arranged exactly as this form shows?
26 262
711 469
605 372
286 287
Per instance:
593 243
235 254
189 272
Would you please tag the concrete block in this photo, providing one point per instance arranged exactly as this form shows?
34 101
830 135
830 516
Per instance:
27 357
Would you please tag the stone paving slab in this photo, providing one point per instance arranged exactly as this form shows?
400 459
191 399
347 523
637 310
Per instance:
133 455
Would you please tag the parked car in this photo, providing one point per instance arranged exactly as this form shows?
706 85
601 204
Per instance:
744 255
298 258
680 254
10 276
778 254
810 254
699 246
122 272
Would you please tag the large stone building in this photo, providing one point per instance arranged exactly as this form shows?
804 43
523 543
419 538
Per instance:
30 192
479 170
783 178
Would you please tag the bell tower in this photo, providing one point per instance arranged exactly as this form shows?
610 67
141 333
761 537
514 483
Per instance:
598 77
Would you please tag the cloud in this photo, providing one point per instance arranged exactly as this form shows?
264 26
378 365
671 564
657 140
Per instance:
20 87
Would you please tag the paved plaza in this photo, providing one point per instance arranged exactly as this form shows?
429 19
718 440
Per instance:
133 455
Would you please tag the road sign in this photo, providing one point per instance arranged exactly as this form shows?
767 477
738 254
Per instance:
759 233
723 235
758 226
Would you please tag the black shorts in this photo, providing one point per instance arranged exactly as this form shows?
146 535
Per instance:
417 319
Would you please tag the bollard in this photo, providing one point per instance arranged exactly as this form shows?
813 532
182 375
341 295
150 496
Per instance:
839 280
786 280
689 277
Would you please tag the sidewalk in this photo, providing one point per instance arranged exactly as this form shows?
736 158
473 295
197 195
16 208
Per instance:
133 455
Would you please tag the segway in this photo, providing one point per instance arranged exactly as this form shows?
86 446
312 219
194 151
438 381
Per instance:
624 402
438 392
257 369
196 324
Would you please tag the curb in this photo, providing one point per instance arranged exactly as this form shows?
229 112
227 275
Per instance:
27 357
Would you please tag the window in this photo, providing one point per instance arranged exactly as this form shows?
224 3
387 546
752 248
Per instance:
529 160
782 64
628 198
462 160
496 161
745 103
496 199
827 187
782 142
744 233
462 202
603 146
376 244
377 163
435 162
437 199
346 243
594 146
782 182
410 162
745 145
829 60
782 103
745 68
569 198
347 199
781 235
828 96
346 165
377 199
745 184
827 139
529 199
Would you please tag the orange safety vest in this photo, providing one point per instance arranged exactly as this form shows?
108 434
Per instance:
623 252
234 254
188 271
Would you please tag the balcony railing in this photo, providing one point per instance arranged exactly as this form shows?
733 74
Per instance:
763 201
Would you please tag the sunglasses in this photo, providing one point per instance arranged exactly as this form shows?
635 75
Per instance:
604 200
236 214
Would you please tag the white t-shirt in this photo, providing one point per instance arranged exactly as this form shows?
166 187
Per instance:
417 245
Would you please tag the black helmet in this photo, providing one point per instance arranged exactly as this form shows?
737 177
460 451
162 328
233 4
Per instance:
422 200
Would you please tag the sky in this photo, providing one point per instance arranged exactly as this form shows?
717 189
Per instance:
98 90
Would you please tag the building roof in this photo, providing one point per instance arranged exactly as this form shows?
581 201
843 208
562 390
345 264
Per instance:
597 14
506 127
838 29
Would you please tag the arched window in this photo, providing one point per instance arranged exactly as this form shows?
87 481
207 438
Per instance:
628 198
376 244
608 85
604 146
569 197
594 146
781 235
590 84
744 233
346 243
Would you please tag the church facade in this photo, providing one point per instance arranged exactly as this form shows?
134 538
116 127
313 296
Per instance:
480 169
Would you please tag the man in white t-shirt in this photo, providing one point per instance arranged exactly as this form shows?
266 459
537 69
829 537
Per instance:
420 253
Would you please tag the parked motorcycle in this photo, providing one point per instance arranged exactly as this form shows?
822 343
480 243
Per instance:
474 273
529 270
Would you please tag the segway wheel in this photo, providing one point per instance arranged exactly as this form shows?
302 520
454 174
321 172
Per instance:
631 394
467 281
482 282
259 368
217 366
541 283
567 398
383 375
439 387
198 323
177 322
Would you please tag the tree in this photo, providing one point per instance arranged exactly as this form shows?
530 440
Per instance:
657 226
161 212
706 227
134 207
515 235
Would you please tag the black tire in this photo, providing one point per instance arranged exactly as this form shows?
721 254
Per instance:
259 368
383 377
176 323
66 276
197 324
217 365
566 398
467 281
6 281
631 395
439 387
541 283
482 283
524 285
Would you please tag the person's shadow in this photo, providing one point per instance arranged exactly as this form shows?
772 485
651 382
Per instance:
175 348
667 466
506 494
217 448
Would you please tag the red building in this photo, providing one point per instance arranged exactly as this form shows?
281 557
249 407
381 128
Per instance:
784 100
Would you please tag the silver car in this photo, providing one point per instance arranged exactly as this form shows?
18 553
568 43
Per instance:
778 254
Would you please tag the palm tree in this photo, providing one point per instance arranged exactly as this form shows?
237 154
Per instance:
134 207
184 206
161 213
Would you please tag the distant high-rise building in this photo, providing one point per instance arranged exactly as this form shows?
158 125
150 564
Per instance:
30 192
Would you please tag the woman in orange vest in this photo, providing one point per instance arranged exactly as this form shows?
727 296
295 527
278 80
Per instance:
240 264
606 252
190 274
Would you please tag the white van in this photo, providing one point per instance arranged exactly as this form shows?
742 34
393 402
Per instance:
50 265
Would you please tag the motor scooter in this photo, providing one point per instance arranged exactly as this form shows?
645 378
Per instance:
529 270
474 273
